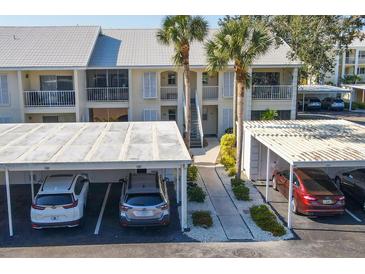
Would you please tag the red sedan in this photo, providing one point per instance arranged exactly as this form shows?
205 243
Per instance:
314 193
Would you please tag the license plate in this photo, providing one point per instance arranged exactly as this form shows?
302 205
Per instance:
145 213
327 202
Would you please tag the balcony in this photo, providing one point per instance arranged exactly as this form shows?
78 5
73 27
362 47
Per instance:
350 60
107 94
168 93
49 98
282 92
210 92
361 60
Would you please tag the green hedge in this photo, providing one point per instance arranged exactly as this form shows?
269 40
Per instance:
202 218
228 152
192 175
266 220
355 105
196 194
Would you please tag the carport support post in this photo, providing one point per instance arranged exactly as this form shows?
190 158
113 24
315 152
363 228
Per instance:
178 190
267 175
350 103
7 184
290 196
184 205
32 185
303 101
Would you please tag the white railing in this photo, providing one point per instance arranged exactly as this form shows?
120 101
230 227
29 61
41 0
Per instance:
49 98
199 120
283 92
168 93
210 92
350 60
361 60
107 94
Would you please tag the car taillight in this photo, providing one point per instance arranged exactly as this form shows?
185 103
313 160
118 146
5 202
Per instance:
34 206
341 198
164 206
74 204
123 208
310 198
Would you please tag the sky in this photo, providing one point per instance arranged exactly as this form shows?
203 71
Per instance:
122 21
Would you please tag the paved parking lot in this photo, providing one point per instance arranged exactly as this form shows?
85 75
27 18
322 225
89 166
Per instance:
110 231
344 227
353 116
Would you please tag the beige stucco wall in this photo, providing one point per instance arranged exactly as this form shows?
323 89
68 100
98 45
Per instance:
13 110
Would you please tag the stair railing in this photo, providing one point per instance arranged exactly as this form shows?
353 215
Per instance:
199 119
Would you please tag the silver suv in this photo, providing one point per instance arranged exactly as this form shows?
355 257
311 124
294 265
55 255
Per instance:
144 201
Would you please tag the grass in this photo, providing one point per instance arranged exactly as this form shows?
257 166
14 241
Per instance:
266 220
202 218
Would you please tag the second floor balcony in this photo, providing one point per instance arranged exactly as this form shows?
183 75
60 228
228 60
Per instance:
107 94
210 92
274 92
168 93
49 98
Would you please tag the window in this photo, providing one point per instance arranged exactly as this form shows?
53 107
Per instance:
227 118
228 84
362 54
4 92
361 70
117 78
79 185
266 78
53 82
107 78
50 119
205 78
171 78
149 85
205 114
172 115
150 115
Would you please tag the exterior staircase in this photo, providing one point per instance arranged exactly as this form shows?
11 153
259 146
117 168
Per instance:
195 136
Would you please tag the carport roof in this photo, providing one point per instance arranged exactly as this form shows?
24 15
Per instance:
312 143
318 89
73 146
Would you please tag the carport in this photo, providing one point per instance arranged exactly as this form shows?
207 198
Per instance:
304 144
323 91
94 147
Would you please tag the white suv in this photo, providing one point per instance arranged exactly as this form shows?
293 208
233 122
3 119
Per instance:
60 201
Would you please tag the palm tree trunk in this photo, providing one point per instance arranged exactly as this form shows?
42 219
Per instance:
240 95
187 102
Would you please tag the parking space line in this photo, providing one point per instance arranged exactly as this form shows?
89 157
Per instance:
353 215
97 228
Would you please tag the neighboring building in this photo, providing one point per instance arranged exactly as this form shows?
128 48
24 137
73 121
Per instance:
60 74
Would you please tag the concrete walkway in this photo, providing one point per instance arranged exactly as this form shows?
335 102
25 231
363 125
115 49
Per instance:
226 211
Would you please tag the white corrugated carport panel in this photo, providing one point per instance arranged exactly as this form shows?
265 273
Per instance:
93 146
310 143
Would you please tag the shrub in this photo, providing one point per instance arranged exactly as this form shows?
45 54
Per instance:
192 173
241 192
232 171
269 114
228 140
266 220
236 182
202 218
229 130
196 194
228 161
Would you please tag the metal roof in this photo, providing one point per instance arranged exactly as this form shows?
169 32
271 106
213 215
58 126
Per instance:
355 86
73 146
140 48
41 47
321 89
312 143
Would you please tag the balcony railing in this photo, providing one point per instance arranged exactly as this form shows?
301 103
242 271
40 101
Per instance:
107 94
210 92
350 60
49 98
168 93
283 92
361 60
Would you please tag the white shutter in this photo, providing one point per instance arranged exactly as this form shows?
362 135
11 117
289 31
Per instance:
150 115
4 119
4 93
228 84
227 118
149 85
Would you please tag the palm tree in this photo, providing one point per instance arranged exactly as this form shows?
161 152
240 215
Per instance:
180 31
240 40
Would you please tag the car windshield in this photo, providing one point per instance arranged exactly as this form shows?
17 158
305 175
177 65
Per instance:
316 180
54 199
149 199
338 101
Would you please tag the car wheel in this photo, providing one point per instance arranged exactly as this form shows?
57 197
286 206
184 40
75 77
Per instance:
274 185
